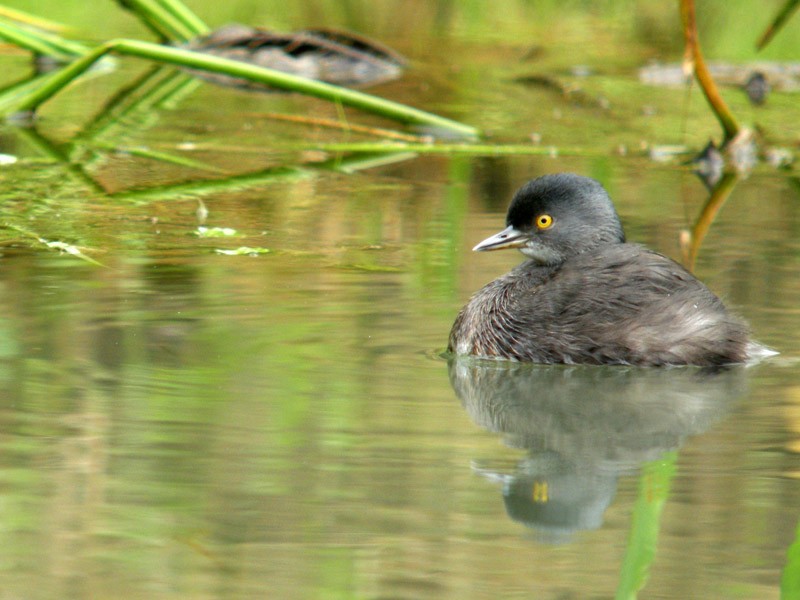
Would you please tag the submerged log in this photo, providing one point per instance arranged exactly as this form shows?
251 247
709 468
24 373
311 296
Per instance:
336 57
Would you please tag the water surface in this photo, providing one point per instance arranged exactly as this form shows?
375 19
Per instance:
177 423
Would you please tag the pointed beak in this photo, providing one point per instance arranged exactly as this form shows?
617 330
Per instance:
508 238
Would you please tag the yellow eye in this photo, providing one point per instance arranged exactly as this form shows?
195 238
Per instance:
544 221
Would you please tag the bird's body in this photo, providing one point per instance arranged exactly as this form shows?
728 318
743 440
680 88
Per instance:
587 297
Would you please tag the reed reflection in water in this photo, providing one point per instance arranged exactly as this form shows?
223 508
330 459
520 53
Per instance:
583 426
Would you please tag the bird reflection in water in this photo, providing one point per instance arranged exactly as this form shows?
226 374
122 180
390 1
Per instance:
583 427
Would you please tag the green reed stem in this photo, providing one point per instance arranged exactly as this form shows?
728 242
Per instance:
40 42
183 14
777 24
159 19
285 81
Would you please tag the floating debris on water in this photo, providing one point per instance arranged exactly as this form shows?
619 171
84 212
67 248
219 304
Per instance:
777 76
709 165
666 153
757 88
215 232
570 91
243 251
779 158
